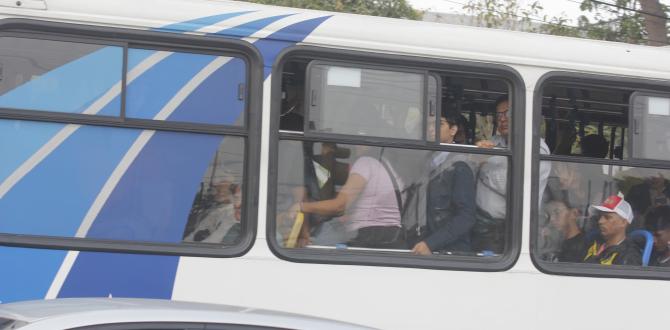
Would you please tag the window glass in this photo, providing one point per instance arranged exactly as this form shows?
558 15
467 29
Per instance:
604 214
185 87
651 136
585 121
336 196
120 184
60 76
483 107
367 102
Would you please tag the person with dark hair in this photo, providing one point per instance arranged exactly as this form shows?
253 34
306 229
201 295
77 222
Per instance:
450 206
462 136
595 146
615 215
658 222
563 217
489 231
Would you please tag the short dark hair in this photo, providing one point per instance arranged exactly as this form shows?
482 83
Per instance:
595 146
452 117
658 218
501 99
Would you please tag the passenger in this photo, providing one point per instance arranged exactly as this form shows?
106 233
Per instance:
563 217
489 230
217 222
369 198
450 205
653 192
462 136
614 249
659 224
594 146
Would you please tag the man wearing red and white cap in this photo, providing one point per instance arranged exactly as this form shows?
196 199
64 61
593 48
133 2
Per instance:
615 216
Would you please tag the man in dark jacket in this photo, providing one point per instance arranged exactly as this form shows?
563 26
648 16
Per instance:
450 202
614 249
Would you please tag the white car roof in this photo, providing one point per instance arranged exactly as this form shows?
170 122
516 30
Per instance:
77 312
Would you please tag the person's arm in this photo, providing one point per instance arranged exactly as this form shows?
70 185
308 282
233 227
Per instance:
336 206
485 144
463 210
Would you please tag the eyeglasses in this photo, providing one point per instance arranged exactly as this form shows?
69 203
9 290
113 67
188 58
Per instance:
501 114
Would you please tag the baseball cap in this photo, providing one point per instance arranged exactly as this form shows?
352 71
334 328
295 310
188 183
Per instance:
616 204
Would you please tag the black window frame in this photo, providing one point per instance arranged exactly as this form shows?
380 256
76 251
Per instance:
602 81
514 154
143 39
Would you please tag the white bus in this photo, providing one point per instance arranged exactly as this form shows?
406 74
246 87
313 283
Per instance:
233 153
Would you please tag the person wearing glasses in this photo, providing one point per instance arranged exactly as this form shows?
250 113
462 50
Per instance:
491 199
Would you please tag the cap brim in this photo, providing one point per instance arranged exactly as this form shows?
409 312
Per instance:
600 208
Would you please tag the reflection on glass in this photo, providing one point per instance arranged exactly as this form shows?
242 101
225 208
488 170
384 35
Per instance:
59 76
366 102
123 184
216 215
188 87
651 137
599 214
353 197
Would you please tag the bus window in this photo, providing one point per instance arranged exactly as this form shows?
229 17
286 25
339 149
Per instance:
218 82
599 208
585 121
60 76
650 135
173 182
131 185
440 196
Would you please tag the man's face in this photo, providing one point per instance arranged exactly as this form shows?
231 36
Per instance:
559 215
611 224
661 239
502 118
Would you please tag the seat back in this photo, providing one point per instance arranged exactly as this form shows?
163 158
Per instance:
648 244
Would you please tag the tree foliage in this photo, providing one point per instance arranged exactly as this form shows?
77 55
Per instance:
631 21
385 8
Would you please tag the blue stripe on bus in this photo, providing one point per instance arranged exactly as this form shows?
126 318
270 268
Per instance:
153 209
198 23
27 273
153 199
54 197
216 100
151 91
98 274
247 29
53 91
271 46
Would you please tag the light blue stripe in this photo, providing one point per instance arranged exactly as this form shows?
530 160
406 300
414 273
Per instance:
198 23
247 29
19 140
150 92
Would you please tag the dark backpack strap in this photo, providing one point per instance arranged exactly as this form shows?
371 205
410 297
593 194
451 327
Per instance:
398 196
